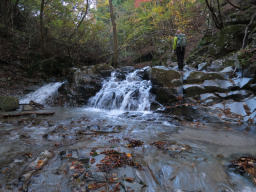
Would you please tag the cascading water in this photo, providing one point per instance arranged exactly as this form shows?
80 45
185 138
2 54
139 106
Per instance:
42 94
131 93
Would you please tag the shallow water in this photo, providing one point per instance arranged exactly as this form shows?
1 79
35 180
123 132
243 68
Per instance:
203 167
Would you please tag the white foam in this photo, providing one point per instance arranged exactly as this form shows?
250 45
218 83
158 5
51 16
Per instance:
42 94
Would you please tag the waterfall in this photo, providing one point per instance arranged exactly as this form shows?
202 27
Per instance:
130 93
42 94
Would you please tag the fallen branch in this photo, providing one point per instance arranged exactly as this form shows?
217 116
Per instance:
7 115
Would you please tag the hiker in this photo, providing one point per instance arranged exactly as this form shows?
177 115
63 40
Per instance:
179 46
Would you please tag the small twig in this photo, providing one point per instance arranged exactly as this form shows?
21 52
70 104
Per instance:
246 30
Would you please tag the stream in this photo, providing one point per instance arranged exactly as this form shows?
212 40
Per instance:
160 153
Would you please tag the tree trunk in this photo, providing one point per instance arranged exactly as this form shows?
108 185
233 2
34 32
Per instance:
217 20
115 43
81 21
246 31
42 25
233 5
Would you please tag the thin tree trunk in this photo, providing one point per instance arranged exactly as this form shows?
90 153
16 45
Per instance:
81 21
246 31
115 56
220 15
233 5
216 21
42 25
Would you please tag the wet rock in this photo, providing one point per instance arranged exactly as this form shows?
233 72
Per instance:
228 71
237 108
251 103
242 82
8 103
206 96
216 65
202 66
199 77
235 95
217 85
188 113
164 95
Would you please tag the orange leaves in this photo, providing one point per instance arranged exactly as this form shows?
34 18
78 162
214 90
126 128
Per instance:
245 165
114 159
129 155
134 143
39 164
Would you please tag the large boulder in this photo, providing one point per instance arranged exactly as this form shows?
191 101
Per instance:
8 103
165 81
164 77
164 95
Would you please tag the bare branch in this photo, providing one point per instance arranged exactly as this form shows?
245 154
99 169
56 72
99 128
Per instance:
233 5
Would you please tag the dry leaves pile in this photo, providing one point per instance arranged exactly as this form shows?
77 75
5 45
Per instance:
171 146
134 143
114 159
245 165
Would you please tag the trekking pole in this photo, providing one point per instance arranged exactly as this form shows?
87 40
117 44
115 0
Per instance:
180 89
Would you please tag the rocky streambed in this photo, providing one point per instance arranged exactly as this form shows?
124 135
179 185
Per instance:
136 144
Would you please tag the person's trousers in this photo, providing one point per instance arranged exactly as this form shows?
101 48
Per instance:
180 51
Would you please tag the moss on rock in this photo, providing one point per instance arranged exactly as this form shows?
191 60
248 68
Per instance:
164 77
8 103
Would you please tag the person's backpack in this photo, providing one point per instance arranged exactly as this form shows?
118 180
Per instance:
181 40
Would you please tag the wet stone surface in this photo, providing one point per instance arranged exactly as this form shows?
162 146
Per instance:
91 150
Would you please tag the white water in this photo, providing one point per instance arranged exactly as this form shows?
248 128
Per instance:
130 94
42 94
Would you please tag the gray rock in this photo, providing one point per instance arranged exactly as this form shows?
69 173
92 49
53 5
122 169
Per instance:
164 95
236 95
207 96
242 82
193 90
251 103
228 70
202 66
237 108
199 77
217 85
216 65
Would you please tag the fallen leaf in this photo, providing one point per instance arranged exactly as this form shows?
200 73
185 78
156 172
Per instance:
39 164
129 155
129 179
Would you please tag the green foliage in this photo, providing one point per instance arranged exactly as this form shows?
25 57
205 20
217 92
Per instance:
153 23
